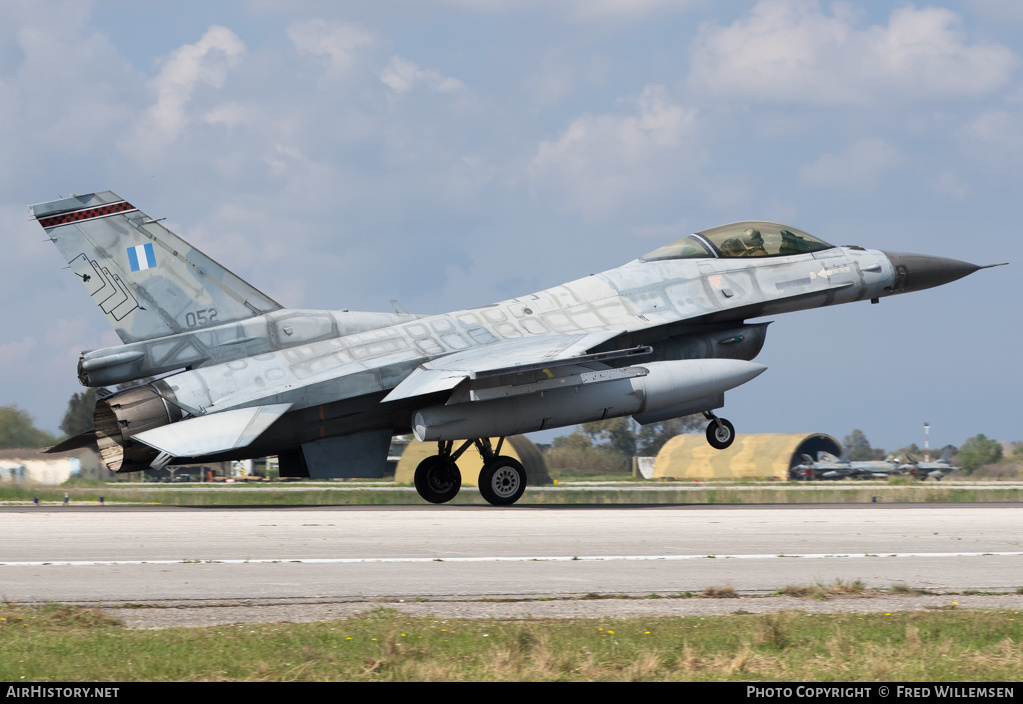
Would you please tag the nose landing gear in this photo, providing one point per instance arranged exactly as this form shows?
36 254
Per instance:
720 432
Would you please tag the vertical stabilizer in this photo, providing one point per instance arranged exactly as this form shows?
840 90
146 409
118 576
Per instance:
147 281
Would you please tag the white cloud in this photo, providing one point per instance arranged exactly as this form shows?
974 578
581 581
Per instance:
582 10
859 166
204 63
790 51
623 9
997 128
336 42
552 81
18 353
63 87
948 184
401 75
601 161
229 114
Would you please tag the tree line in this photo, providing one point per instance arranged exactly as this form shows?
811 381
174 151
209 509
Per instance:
975 452
17 429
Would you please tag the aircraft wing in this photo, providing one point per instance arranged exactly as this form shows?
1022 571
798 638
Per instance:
211 433
531 354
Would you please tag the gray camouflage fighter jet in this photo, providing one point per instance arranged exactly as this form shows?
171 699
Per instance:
661 337
827 466
933 470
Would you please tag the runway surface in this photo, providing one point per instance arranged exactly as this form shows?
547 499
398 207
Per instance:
146 555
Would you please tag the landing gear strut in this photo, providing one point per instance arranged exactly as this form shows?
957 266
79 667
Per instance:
720 432
502 479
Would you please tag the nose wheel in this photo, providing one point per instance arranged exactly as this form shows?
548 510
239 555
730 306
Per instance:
720 432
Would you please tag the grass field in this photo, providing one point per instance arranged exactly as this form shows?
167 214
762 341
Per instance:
566 492
70 644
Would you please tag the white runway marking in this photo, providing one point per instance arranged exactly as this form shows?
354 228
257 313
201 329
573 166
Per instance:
549 558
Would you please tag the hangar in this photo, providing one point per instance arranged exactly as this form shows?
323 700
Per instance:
35 465
753 456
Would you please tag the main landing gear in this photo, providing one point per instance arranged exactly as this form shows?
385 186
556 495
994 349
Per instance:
438 479
720 432
502 479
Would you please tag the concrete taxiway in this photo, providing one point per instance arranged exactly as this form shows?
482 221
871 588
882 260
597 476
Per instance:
144 555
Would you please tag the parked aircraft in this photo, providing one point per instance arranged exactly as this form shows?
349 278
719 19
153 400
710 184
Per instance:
933 470
827 466
663 336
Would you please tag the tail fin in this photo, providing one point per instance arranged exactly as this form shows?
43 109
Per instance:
147 281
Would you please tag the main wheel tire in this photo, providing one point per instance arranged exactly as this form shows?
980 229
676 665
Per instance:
438 480
720 433
502 481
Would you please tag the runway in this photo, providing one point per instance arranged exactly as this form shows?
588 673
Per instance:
152 554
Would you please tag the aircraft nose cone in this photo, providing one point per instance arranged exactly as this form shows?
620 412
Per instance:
915 272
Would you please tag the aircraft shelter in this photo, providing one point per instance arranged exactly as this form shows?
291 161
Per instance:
752 456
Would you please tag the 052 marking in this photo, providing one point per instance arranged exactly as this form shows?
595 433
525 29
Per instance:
201 318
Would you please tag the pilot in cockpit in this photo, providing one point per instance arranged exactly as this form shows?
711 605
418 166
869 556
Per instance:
749 244
754 242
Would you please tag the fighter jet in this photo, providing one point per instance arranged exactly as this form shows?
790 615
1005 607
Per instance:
933 470
827 466
661 337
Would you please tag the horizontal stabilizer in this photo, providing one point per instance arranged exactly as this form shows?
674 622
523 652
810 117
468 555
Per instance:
212 433
76 442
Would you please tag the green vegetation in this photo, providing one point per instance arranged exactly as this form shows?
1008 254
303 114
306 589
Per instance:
68 644
858 447
18 430
572 452
1005 469
78 418
823 592
977 451
725 592
606 447
631 492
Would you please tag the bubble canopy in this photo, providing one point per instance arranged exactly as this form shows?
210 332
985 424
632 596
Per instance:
751 238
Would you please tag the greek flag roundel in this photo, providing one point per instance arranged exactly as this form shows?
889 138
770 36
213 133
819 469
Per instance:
142 257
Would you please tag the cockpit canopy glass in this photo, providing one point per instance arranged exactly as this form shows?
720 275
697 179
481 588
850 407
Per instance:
752 238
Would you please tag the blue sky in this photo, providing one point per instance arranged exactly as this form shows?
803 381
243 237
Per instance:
451 153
